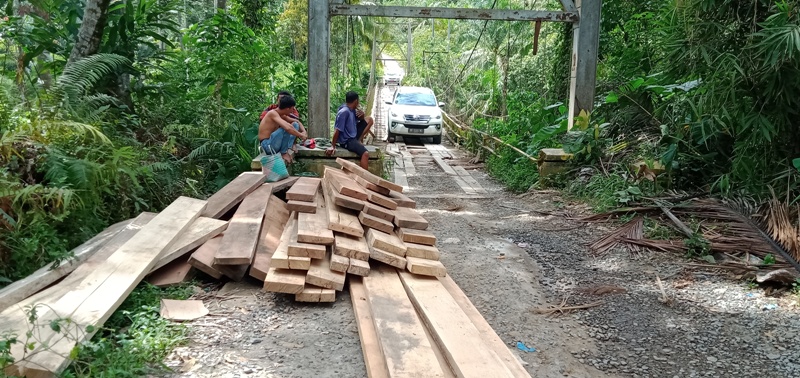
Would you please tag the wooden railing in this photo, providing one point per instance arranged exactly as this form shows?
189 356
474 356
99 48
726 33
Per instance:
462 131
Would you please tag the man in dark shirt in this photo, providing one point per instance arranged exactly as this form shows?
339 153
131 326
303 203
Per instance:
349 132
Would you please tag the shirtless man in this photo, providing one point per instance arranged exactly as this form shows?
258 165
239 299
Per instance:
275 134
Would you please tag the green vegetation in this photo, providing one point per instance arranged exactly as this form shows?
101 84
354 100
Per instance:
724 120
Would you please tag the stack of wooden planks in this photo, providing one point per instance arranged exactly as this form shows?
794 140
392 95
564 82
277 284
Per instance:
337 225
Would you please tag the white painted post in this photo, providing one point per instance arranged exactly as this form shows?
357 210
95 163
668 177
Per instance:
319 29
583 69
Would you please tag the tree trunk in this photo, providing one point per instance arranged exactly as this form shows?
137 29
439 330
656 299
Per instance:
91 33
222 4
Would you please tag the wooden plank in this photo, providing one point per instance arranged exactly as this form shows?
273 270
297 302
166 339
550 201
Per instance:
284 184
339 263
451 13
368 176
347 202
344 185
16 316
103 290
379 212
315 294
409 218
375 222
388 242
233 193
422 251
401 334
403 200
314 228
312 251
340 220
369 186
381 200
304 189
285 281
454 332
234 272
358 267
444 166
349 246
201 231
40 279
410 235
281 258
370 345
174 273
388 258
239 242
203 257
425 267
320 274
488 335
302 207
275 219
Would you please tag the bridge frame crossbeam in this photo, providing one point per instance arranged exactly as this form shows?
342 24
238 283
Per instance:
583 14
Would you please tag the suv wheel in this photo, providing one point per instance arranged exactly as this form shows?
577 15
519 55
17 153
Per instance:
437 139
390 138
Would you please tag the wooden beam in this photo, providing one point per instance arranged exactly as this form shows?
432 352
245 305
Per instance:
233 193
319 34
401 334
313 228
100 293
201 231
456 335
275 220
239 241
583 73
304 189
488 334
45 276
370 345
450 13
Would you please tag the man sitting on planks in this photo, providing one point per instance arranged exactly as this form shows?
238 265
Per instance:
351 127
275 134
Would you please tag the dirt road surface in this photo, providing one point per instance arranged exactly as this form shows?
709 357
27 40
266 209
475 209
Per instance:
515 256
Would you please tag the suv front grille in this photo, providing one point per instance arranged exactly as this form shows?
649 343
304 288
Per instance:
419 118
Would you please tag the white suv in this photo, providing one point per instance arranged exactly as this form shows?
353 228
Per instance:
414 111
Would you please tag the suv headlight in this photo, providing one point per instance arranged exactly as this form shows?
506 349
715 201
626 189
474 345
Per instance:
439 116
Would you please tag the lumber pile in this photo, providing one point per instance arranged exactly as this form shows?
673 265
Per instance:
412 318
336 225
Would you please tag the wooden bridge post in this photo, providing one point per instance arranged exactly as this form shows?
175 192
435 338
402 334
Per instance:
319 28
583 68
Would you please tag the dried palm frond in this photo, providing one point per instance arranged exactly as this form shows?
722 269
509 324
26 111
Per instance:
632 230
776 218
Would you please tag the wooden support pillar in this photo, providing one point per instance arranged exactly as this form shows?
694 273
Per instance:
374 58
319 33
583 69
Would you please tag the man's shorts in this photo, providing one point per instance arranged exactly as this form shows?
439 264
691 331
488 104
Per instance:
354 146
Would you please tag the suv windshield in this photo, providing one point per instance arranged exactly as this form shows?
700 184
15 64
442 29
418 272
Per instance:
423 99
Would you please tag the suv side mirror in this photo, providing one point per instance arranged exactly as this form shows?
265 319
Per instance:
441 104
